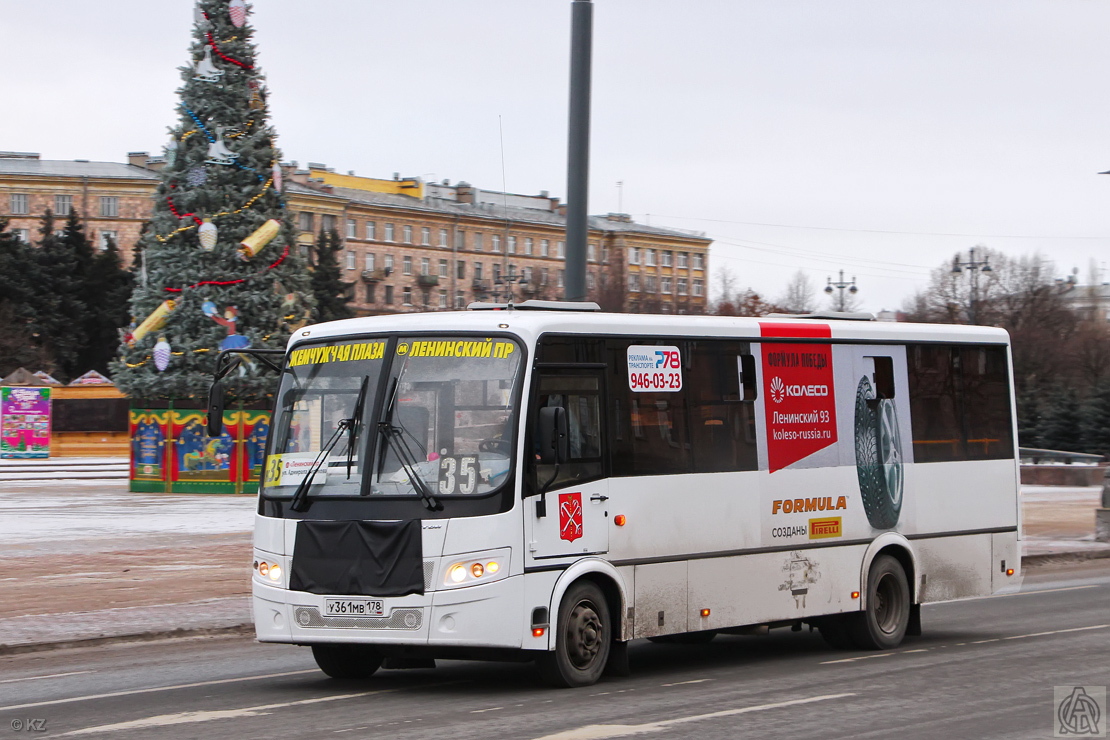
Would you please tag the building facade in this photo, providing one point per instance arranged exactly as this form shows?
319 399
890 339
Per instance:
408 245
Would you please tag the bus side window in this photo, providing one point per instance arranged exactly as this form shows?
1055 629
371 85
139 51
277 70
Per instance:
721 391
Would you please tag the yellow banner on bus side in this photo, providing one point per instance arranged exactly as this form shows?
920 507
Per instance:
457 348
337 353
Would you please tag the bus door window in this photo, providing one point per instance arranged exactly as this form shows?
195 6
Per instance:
580 397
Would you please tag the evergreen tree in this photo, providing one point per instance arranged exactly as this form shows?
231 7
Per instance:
1096 421
19 342
1029 419
58 294
108 289
1060 428
221 170
330 292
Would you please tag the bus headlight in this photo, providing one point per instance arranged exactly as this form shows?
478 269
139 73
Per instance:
268 570
470 570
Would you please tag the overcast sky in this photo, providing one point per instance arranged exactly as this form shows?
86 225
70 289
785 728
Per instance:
878 137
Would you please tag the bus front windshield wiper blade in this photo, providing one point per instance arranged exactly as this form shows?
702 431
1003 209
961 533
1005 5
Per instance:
356 423
351 425
393 436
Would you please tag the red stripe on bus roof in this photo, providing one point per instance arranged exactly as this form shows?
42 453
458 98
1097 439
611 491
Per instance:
781 329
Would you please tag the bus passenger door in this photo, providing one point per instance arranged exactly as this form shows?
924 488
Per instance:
572 517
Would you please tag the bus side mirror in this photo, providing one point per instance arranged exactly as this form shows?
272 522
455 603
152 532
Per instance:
552 435
216 409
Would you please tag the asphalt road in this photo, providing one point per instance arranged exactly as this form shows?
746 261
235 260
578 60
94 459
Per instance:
984 668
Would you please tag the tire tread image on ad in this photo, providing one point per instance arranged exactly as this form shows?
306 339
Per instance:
347 661
878 456
582 639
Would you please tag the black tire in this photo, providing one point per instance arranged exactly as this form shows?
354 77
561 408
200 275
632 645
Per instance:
882 626
582 639
347 661
878 457
686 638
836 631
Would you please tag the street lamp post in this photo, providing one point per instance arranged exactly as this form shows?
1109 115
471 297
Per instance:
841 300
974 267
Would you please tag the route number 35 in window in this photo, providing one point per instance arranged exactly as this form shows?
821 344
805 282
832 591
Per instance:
458 474
654 368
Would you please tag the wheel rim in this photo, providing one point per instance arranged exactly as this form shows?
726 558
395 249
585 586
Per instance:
890 449
888 604
585 634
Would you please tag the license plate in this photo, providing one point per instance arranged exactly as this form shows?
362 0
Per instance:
353 607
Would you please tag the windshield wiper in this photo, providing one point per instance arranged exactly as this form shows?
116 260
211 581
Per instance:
351 426
356 423
394 437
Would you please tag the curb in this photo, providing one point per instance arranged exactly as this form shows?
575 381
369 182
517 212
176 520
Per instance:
237 630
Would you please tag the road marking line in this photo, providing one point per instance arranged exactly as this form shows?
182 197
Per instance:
683 683
603 732
152 690
181 718
1058 632
918 650
479 711
858 657
52 675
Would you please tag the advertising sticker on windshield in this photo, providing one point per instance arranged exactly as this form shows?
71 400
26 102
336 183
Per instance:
654 368
291 468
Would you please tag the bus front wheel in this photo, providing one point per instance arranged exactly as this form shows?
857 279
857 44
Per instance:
582 639
883 624
347 661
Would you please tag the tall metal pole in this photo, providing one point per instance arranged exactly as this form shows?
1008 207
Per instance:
578 149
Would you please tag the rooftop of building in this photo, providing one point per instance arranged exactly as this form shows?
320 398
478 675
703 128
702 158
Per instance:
29 164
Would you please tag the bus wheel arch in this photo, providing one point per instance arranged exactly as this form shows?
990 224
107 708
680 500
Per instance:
606 577
898 547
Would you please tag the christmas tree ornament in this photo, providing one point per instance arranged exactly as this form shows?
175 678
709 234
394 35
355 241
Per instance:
171 152
230 319
218 153
256 95
155 321
237 9
262 236
208 235
209 308
196 176
161 354
276 174
206 70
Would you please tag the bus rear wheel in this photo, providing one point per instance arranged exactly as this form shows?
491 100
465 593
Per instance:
883 624
582 639
347 661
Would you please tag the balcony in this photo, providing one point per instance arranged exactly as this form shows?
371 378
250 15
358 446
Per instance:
427 281
479 286
374 276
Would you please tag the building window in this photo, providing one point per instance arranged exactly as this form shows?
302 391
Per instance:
561 250
460 300
605 255
408 234
108 236
443 299
370 290
665 284
633 256
543 276
682 259
649 257
389 232
562 276
63 204
634 283
352 229
698 262
22 235
698 290
407 265
591 253
425 236
369 263
351 259
305 221
304 251
388 295
443 268
443 238
528 244
406 296
460 239
327 221
19 204
495 243
665 258
649 284
527 274
425 266
496 272
478 239
460 269
512 245
389 263
591 281
681 286
109 206
545 246
371 230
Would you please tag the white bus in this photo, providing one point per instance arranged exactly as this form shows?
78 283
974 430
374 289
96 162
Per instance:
548 483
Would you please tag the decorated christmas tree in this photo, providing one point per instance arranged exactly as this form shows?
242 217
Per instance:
220 270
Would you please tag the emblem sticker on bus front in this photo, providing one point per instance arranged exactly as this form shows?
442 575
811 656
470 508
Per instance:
570 516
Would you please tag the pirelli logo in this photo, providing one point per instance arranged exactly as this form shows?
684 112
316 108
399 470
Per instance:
827 527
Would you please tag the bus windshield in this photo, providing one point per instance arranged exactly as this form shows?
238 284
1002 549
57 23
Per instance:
415 416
